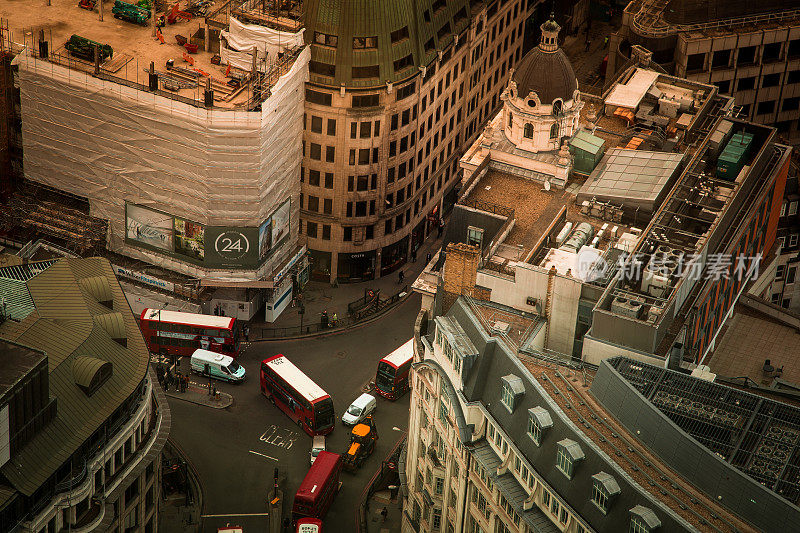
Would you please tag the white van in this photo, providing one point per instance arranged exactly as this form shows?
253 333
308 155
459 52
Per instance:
317 445
360 409
216 365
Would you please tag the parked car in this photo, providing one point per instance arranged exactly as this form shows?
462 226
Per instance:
362 407
317 445
216 365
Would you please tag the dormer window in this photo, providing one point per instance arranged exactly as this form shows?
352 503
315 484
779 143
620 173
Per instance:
539 422
513 390
643 520
568 453
604 489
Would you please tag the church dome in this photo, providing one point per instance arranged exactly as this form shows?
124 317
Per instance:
546 69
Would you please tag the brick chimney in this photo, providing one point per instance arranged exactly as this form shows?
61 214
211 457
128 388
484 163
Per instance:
461 268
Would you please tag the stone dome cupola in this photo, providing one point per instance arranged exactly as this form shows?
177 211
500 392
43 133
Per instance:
550 29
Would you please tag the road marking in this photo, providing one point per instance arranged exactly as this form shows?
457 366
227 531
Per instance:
280 437
262 455
231 515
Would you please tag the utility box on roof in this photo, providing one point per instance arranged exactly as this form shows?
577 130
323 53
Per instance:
733 157
587 150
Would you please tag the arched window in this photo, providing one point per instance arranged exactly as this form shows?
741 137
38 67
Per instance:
554 131
528 133
557 105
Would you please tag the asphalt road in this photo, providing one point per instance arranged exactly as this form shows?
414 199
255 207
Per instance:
236 450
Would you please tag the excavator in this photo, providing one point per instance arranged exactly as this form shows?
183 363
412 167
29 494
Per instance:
362 444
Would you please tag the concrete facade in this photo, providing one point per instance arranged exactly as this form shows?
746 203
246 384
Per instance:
379 161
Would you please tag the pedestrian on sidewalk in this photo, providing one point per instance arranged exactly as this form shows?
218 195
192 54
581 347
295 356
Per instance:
209 387
441 228
185 382
178 380
400 277
384 512
334 320
428 258
586 47
246 331
413 255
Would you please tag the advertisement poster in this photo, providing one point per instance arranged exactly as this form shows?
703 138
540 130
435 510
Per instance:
231 247
280 223
148 227
264 239
189 239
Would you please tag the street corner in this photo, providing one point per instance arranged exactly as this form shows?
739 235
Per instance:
200 394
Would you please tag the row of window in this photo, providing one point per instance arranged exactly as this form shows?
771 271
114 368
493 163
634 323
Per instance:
745 56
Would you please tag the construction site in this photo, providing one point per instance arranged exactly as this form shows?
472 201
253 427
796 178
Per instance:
166 134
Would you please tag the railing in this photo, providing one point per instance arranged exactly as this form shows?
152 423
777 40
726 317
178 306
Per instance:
489 207
378 481
317 326
75 478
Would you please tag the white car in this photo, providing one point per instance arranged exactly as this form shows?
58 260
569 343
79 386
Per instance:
361 408
317 445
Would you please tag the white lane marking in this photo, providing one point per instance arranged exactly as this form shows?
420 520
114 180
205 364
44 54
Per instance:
279 437
263 455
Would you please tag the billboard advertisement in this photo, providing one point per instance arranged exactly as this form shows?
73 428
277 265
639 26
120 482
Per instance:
209 246
149 227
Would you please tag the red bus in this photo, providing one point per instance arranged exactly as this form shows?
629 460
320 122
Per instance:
318 488
296 395
391 381
176 333
309 525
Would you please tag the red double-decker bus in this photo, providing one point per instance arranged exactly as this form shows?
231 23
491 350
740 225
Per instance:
296 395
391 381
177 333
318 488
309 525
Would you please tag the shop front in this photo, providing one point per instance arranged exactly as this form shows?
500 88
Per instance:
354 267
394 256
320 265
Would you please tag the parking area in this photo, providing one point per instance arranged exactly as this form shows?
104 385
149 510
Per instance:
235 450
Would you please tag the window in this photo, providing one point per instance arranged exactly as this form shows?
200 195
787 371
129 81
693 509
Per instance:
793 208
403 63
369 71
528 131
643 520
437 519
325 39
563 516
366 130
316 151
538 421
793 240
793 76
399 35
779 271
554 129
348 234
311 229
331 126
790 275
329 180
720 59
512 390
330 154
323 69
695 62
765 107
747 56
772 52
439 486
406 91
545 498
568 453
791 104
313 203
771 80
365 42
604 487
745 84
366 100
316 97
326 232
316 124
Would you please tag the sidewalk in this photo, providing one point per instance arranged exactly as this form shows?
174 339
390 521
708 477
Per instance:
197 392
318 297
394 516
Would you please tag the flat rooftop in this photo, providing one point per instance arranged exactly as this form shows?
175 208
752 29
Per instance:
17 362
134 49
751 338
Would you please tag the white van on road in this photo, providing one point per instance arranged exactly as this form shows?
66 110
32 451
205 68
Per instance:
216 365
361 408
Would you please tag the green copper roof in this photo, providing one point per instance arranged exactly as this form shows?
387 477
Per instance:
85 341
427 22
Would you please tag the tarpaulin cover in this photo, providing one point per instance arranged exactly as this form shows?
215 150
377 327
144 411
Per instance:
242 38
115 144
